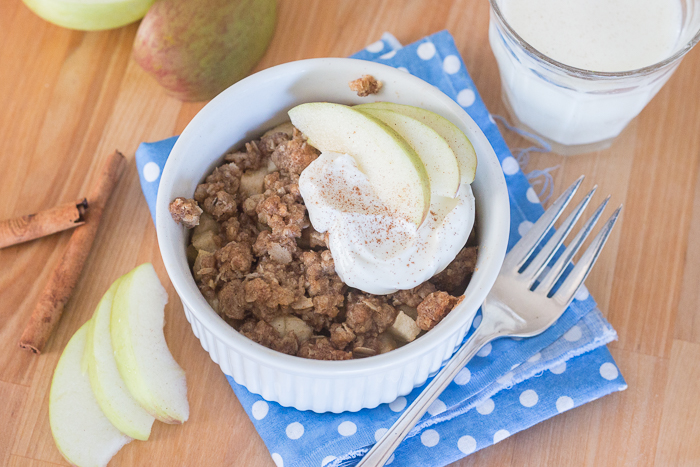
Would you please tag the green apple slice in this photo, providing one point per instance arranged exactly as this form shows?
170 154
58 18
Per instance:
107 384
439 160
145 364
83 434
393 168
458 141
90 15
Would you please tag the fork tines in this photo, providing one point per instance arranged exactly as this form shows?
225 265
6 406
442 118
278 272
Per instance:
528 259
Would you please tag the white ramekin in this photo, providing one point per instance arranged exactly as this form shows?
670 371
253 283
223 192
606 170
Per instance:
243 112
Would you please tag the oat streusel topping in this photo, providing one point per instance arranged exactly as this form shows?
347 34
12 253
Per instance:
365 86
264 269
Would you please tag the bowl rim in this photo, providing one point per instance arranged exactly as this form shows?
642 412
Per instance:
297 365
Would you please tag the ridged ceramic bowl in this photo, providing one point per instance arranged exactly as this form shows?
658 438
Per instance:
243 112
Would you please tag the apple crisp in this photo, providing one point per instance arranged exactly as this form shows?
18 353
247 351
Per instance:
263 268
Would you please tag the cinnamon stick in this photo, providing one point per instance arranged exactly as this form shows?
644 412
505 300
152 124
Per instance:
64 278
43 223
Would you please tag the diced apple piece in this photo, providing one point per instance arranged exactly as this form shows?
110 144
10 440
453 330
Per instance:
205 233
285 127
206 224
284 324
458 141
393 168
90 15
146 365
404 328
439 160
107 384
252 181
410 311
83 434
206 241
386 343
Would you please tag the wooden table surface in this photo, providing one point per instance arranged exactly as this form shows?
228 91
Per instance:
68 99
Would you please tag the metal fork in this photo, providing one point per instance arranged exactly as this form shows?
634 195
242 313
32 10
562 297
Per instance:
522 303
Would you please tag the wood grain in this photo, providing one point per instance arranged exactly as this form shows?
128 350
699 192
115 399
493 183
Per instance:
680 423
68 98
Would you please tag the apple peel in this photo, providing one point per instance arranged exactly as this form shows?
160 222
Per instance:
456 139
109 388
393 168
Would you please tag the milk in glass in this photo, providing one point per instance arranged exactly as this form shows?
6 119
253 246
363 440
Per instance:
593 96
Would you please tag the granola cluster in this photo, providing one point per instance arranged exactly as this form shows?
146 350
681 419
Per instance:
264 269
365 86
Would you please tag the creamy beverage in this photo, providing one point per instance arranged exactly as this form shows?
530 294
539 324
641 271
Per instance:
582 110
598 35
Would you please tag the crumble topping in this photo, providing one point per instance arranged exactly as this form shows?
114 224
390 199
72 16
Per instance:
365 86
263 268
185 211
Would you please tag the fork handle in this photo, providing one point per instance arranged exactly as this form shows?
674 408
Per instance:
382 450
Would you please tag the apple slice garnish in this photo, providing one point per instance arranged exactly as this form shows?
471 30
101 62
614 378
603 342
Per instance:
83 434
439 160
392 167
90 15
149 370
456 139
109 388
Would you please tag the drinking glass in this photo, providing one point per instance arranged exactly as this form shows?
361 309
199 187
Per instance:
573 109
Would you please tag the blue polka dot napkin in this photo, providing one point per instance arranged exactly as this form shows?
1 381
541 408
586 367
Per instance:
509 386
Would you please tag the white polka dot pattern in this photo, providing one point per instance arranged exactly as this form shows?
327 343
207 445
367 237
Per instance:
426 50
558 369
451 64
466 97
582 294
463 376
375 47
429 438
379 433
398 405
506 379
535 358
486 407
466 444
477 321
529 398
259 410
608 371
388 55
277 459
295 430
510 166
485 350
573 334
437 407
524 227
347 428
151 172
500 435
531 195
564 403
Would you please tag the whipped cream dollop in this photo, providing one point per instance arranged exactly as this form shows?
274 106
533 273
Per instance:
374 249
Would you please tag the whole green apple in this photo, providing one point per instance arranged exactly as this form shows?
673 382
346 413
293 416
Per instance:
197 48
